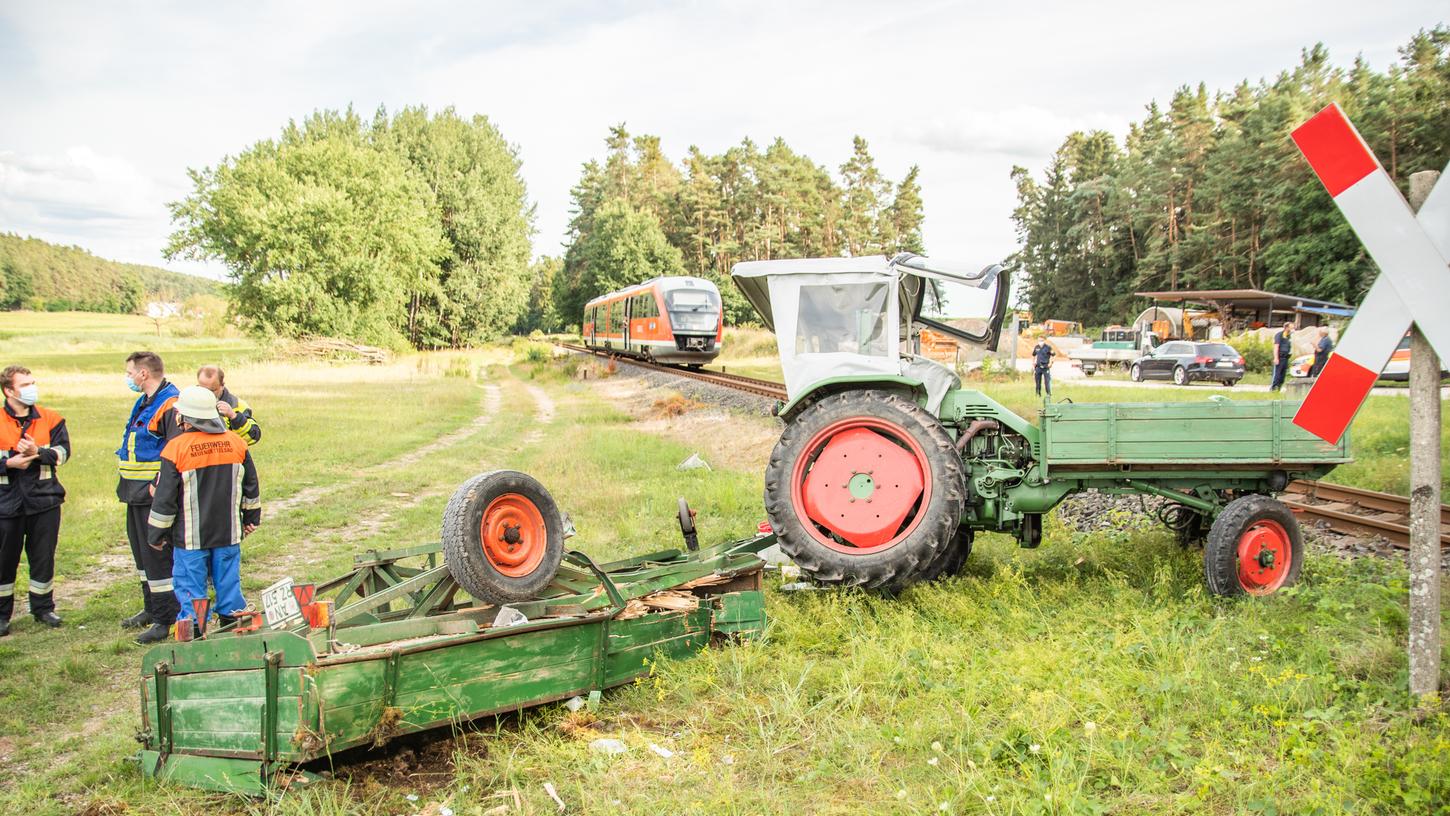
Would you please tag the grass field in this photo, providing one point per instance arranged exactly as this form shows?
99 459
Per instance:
1093 675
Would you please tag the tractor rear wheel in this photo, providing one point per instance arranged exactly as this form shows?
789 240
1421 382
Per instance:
864 488
503 537
1254 548
952 558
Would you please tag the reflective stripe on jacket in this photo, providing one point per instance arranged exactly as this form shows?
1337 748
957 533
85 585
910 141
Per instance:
243 424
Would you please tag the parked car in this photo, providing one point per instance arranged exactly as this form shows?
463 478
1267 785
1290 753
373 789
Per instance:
1184 361
1396 370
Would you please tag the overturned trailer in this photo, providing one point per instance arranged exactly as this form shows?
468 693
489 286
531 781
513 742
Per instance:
401 645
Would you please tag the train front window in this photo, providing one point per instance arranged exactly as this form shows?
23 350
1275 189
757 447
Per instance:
693 310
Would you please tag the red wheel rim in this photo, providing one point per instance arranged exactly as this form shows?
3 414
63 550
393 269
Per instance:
860 485
513 534
1265 555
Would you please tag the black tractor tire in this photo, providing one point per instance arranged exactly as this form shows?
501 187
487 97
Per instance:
463 546
1136 373
1180 375
1221 552
896 566
952 558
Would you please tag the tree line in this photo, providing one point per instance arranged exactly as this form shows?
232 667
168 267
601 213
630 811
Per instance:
42 276
1210 192
412 228
637 214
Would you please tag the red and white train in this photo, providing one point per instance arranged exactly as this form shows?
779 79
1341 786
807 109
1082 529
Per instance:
668 320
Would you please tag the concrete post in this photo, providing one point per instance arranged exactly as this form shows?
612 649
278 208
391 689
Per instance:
1424 644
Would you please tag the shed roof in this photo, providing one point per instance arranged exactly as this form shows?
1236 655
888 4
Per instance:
1273 299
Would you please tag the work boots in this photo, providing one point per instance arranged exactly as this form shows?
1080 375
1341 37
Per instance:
49 619
155 633
137 621
4 628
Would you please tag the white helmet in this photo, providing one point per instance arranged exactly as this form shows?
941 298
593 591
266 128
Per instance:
197 405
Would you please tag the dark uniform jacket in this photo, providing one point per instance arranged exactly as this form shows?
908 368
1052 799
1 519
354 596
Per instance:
243 424
207 492
34 489
1042 355
139 456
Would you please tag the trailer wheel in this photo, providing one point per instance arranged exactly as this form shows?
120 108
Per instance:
1253 548
1136 373
503 537
864 488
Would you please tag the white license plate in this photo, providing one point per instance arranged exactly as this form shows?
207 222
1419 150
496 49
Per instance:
1225 365
279 605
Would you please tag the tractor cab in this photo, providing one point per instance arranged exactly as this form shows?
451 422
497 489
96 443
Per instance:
852 319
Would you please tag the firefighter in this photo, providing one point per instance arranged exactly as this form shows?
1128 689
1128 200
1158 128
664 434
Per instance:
236 412
33 443
207 500
139 460
1283 354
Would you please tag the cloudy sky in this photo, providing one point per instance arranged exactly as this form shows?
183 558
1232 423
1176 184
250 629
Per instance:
104 105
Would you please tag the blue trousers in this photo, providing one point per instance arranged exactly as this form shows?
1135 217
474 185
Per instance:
190 570
1040 377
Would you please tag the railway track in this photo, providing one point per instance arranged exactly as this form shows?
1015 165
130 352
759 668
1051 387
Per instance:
1348 510
749 385
1359 512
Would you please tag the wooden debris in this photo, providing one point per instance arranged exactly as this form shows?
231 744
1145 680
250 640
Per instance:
706 581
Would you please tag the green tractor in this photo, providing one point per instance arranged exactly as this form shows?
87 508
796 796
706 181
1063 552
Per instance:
888 467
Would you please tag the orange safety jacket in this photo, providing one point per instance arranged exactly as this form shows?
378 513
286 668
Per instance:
207 491
34 489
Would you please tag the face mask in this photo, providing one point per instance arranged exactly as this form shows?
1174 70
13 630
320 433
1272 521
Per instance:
131 384
29 394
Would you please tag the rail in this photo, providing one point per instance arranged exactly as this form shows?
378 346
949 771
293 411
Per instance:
736 382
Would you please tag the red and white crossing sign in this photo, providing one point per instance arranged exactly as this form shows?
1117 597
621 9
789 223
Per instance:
1414 282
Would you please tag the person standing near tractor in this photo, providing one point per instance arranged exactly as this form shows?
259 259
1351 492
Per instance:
1321 351
33 443
1283 353
1042 366
139 463
207 499
236 412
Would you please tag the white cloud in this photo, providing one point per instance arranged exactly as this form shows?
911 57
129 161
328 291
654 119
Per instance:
1023 133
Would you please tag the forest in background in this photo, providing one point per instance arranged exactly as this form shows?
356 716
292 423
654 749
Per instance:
1210 191
42 276
637 215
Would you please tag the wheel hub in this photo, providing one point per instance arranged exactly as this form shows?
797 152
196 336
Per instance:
513 535
863 485
1264 555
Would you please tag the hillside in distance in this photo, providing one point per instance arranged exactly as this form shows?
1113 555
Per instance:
39 275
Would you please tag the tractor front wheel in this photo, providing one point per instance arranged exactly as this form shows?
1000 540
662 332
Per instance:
865 488
1254 548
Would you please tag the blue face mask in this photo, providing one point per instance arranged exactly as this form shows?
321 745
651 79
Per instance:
131 384
29 394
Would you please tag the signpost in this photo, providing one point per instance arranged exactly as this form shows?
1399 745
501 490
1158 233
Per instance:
1412 293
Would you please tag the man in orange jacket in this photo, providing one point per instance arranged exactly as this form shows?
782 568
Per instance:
207 499
33 443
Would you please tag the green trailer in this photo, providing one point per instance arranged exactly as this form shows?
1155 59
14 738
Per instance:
887 466
407 648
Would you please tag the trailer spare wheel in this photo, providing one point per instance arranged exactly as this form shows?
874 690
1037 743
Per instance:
503 537
864 488
1253 548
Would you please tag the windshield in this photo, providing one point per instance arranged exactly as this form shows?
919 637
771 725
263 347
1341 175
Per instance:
1217 350
847 318
959 306
693 310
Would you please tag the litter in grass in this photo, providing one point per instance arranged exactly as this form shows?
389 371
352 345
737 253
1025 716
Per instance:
608 745
694 463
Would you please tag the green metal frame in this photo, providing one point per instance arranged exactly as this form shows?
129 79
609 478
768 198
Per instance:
237 712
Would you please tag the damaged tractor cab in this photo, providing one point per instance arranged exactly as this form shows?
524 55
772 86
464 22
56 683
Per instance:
887 466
